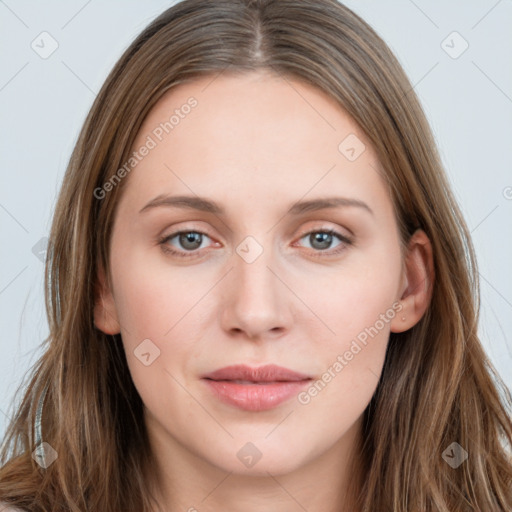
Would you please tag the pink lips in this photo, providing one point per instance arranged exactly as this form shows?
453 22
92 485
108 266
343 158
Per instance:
255 389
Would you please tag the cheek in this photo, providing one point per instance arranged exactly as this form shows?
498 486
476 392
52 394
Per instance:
152 306
354 298
150 296
160 311
358 307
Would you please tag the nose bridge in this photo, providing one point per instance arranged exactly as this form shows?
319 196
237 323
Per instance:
253 278
257 301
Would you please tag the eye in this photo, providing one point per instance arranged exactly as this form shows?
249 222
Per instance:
321 240
189 241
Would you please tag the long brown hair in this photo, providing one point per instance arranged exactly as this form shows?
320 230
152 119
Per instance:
437 386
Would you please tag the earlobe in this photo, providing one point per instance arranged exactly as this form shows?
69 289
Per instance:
419 280
105 314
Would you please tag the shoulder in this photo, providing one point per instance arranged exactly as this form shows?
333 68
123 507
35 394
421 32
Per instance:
5 507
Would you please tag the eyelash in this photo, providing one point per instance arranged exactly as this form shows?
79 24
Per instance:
316 253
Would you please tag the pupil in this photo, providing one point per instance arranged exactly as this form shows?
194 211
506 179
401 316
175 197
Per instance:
324 240
190 240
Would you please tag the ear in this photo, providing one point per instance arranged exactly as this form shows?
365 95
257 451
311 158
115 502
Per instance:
105 314
418 281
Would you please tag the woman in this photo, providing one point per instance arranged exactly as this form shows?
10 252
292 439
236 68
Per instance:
261 292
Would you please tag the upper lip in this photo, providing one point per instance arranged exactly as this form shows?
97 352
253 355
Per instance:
267 373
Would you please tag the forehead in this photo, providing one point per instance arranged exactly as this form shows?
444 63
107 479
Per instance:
269 110
256 133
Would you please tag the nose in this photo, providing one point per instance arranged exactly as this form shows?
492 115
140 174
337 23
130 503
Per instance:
258 304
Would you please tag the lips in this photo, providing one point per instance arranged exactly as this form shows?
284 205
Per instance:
255 389
262 374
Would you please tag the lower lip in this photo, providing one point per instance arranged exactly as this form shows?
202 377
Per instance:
256 397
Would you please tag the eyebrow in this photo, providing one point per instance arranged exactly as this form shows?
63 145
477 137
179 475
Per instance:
209 206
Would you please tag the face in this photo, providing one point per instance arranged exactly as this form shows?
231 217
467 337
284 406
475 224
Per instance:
252 269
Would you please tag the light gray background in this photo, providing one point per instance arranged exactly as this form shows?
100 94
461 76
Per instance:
43 102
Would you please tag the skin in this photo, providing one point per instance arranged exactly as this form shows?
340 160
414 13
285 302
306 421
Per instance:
256 144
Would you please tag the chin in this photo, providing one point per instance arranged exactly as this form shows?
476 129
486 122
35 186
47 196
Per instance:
254 459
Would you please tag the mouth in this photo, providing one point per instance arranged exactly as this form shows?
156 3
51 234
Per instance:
255 389
250 382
